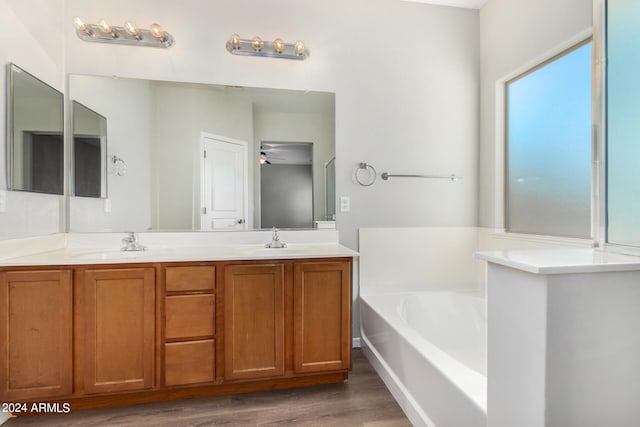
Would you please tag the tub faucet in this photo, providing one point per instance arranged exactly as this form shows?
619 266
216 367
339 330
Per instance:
275 241
131 243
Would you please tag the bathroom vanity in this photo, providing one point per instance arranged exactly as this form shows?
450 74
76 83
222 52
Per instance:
89 328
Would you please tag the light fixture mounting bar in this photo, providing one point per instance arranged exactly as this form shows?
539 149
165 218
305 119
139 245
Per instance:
245 47
119 35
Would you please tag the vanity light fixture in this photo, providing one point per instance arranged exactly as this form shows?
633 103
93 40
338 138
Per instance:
129 34
275 49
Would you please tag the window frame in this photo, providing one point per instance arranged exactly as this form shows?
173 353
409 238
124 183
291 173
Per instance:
501 153
505 131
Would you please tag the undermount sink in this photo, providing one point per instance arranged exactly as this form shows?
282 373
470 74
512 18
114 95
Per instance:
115 254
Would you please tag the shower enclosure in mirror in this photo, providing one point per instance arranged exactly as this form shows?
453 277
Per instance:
330 189
35 134
89 152
156 127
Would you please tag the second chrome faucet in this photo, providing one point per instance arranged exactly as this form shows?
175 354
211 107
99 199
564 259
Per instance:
275 242
131 243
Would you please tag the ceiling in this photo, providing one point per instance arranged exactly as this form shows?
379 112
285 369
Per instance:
469 4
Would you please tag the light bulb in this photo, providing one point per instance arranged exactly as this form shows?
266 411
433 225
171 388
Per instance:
131 28
235 41
278 45
299 48
156 31
104 27
79 24
257 43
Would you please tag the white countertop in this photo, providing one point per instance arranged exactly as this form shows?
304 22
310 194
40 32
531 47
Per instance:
76 256
562 261
104 248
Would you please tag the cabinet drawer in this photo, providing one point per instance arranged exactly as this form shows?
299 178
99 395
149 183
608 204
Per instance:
189 362
194 278
189 316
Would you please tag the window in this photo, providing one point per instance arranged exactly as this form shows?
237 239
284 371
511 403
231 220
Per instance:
623 118
548 147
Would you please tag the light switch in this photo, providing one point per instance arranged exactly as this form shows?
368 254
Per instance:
345 204
107 205
3 200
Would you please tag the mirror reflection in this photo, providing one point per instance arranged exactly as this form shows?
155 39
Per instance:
286 169
161 130
89 152
36 153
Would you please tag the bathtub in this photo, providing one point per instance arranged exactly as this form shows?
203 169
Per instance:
430 350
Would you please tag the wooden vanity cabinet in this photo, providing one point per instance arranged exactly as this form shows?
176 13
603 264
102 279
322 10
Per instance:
35 334
321 316
118 321
254 321
108 335
287 318
189 325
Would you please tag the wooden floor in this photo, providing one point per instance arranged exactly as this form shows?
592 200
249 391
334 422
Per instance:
362 401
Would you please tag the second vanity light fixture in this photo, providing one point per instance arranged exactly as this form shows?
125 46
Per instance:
275 49
129 34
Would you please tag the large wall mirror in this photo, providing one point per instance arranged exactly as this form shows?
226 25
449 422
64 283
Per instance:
159 132
35 134
89 152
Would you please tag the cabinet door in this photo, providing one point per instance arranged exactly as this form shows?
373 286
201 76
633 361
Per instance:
35 335
254 321
118 329
322 316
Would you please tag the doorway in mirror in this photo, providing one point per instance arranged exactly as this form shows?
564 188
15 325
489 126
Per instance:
224 180
286 185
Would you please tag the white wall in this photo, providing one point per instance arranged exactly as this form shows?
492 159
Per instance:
405 77
512 35
35 42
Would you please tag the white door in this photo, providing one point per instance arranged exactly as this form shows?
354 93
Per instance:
224 183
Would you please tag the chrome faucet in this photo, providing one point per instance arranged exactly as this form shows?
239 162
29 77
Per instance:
131 243
275 242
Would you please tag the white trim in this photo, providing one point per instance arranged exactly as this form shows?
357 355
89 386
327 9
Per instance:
541 238
599 122
499 219
245 148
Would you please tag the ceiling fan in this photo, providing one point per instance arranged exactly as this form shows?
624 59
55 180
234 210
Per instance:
263 158
263 155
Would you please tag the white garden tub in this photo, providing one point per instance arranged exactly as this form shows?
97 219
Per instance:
430 349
